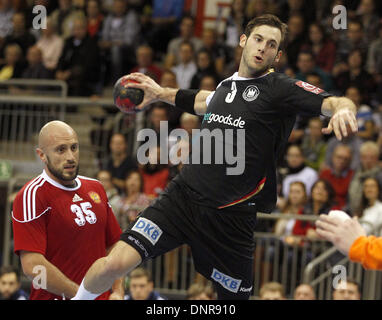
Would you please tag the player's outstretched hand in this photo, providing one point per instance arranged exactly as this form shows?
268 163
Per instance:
342 123
342 233
151 89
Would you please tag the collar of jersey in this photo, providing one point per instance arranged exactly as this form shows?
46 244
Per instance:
58 185
236 76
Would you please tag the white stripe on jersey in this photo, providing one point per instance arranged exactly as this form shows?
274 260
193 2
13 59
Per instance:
21 221
34 199
25 195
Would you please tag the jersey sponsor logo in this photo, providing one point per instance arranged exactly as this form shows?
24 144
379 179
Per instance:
251 93
148 229
231 284
309 87
228 120
76 198
94 196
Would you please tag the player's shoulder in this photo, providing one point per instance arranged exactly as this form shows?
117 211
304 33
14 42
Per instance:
87 181
32 187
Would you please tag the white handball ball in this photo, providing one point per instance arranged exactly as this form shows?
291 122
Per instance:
342 215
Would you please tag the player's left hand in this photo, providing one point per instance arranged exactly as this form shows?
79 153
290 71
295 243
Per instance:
342 123
115 296
342 233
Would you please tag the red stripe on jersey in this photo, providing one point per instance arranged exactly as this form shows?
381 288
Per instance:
258 188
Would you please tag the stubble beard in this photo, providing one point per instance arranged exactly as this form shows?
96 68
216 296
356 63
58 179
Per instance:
59 174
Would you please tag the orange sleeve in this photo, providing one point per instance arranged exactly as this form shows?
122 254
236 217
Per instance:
367 251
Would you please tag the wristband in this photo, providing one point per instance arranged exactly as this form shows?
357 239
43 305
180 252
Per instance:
185 100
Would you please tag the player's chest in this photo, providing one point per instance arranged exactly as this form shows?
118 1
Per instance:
240 105
77 211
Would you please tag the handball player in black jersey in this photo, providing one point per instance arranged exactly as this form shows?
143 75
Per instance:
212 206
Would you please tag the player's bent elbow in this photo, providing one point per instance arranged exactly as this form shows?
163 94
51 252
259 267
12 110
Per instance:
29 261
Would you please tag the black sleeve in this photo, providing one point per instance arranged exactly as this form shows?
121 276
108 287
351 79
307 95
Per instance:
299 97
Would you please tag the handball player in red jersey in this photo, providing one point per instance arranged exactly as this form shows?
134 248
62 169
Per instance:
62 222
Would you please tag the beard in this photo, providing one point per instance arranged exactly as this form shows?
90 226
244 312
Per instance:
59 174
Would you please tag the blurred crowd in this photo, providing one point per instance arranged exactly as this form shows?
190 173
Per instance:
90 44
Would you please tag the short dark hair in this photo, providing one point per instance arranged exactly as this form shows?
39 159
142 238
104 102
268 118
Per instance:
10 269
268 20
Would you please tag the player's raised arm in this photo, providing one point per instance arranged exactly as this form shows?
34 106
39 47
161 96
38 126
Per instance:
343 116
191 101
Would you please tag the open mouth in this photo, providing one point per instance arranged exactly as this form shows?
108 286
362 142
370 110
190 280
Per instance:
70 167
258 59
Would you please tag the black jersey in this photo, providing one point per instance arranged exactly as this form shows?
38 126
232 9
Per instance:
262 112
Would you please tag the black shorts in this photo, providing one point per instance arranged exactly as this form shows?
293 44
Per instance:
221 242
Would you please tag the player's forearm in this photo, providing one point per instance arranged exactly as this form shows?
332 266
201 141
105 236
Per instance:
331 105
168 95
48 276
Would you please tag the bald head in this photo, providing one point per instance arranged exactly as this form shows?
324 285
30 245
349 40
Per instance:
58 149
53 130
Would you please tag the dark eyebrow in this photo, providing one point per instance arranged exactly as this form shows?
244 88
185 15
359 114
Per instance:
260 36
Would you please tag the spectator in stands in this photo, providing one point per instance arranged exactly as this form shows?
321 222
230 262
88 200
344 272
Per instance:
291 7
306 65
357 76
64 16
348 289
14 65
118 162
6 13
365 119
296 38
321 201
371 207
208 82
205 66
354 39
157 114
105 177
374 57
369 152
294 204
95 18
236 22
199 291
272 291
155 174
133 201
297 170
10 285
187 27
339 174
186 68
353 141
144 56
119 35
141 286
168 79
322 46
313 145
20 34
219 53
166 15
304 292
79 64
233 65
369 18
51 45
36 68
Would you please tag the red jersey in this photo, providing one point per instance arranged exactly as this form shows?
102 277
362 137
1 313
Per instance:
70 227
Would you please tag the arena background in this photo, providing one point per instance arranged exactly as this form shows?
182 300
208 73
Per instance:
36 89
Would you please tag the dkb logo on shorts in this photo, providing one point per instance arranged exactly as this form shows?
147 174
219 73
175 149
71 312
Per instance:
148 229
227 282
